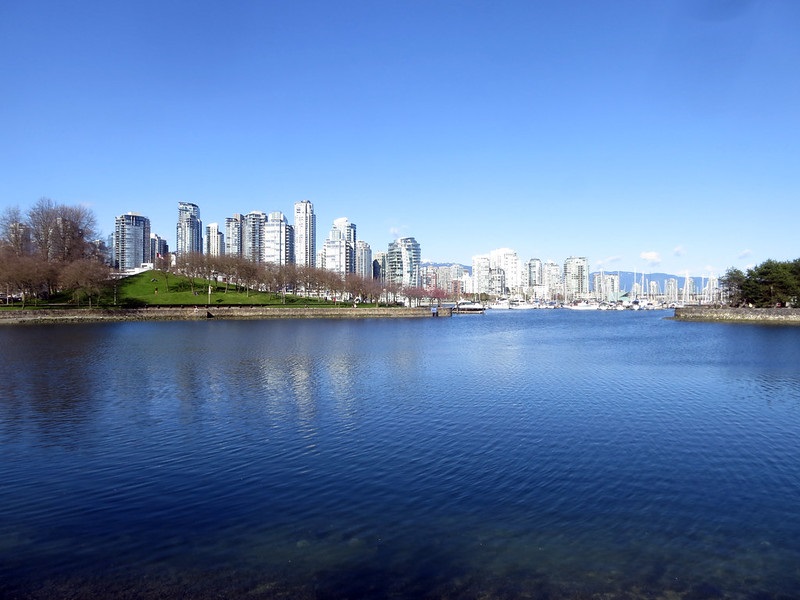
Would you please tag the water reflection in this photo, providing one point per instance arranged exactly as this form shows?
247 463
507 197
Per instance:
542 454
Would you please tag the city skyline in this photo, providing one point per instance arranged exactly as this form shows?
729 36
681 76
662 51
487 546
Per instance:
646 137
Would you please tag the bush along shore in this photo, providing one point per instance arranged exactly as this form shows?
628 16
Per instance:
195 313
726 314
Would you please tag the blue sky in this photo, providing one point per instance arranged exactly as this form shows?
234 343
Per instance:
649 136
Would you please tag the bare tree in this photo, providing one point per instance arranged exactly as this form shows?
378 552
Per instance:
75 226
14 233
85 276
42 219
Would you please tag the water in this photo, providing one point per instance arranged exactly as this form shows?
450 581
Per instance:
517 454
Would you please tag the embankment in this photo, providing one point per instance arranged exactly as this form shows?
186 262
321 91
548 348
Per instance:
191 313
778 316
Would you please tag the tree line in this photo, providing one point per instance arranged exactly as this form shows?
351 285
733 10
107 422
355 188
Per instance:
245 276
770 284
49 248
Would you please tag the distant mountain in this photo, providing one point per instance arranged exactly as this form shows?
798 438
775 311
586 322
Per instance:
428 263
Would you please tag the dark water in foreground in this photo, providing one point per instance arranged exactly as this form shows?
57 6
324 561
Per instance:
536 454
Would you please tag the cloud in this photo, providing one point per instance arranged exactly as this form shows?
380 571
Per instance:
678 251
651 257
608 260
394 232
744 253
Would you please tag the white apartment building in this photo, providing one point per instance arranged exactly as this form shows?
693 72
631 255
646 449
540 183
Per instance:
339 250
215 240
189 230
481 274
278 242
403 262
305 234
233 235
363 259
253 232
576 278
551 281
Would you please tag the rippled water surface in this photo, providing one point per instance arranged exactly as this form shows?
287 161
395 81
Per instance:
516 454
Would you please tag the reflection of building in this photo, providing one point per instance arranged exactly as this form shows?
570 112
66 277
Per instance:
305 233
576 278
131 241
403 262
215 240
189 232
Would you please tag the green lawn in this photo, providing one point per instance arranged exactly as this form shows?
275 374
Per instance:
151 287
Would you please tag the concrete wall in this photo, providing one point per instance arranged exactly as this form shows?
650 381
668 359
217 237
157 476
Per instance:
728 314
201 313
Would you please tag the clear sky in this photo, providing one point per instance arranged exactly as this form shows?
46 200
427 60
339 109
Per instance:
651 136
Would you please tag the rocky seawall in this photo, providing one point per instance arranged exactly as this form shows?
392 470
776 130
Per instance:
780 316
183 313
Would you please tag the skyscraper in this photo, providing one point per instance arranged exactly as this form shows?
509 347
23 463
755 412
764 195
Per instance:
215 240
233 235
305 234
403 262
278 240
576 278
158 247
363 259
253 232
189 232
339 250
131 241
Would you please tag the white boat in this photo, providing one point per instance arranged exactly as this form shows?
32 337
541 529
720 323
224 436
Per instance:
521 305
501 303
583 306
467 307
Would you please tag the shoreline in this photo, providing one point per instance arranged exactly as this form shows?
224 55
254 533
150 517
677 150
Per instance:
726 314
203 313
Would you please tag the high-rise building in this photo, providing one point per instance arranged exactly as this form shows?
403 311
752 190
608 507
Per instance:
576 278
403 261
158 247
379 265
339 250
363 259
189 232
305 234
253 231
215 240
551 280
233 235
606 286
278 240
131 241
481 274
507 273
